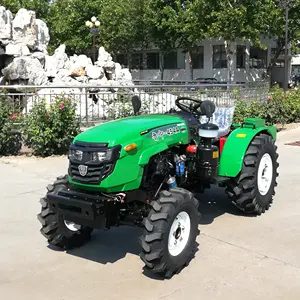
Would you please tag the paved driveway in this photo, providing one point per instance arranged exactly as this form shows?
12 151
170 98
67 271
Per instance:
238 258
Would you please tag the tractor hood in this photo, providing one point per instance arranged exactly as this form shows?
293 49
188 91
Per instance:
123 130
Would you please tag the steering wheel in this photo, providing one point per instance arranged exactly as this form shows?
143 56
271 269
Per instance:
207 107
191 108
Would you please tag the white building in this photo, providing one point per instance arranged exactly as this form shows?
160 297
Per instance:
296 65
209 61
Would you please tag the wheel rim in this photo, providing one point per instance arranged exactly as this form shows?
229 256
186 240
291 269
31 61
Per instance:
179 233
265 174
72 226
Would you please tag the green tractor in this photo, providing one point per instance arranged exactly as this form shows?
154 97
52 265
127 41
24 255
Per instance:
141 171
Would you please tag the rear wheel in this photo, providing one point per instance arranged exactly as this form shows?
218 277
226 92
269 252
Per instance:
171 228
55 228
253 189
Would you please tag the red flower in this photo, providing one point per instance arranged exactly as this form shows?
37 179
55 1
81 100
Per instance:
13 117
61 106
270 97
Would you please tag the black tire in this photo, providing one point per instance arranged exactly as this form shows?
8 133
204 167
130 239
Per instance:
53 224
243 190
154 241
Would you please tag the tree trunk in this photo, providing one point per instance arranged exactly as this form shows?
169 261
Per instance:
229 61
280 46
161 65
191 65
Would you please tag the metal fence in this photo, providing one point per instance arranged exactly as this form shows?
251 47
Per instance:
96 104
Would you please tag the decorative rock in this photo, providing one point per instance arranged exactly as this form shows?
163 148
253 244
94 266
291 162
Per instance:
17 50
50 66
125 77
24 28
57 61
79 71
42 35
2 50
82 79
6 18
94 72
103 57
105 61
24 60
26 68
79 62
65 81
40 56
118 70
98 82
95 83
62 73
60 57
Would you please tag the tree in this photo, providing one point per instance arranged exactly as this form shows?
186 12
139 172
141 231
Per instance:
12 5
243 20
41 7
66 22
276 27
192 26
125 25
167 18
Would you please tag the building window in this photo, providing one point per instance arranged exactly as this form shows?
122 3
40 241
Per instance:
197 55
219 57
136 61
274 50
122 59
170 60
152 61
240 56
258 58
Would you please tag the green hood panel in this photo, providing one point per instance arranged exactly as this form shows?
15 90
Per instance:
124 130
159 133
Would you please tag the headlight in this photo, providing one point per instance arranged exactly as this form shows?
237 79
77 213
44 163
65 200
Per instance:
101 156
76 154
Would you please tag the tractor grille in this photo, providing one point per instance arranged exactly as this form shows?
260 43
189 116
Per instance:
95 173
85 170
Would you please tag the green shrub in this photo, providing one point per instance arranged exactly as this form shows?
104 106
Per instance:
10 139
50 130
279 108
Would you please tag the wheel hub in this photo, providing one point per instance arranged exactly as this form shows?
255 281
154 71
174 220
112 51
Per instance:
72 226
265 174
179 233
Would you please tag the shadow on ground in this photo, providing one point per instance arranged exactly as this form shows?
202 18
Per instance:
112 245
214 203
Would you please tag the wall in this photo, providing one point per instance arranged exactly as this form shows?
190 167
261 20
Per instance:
238 75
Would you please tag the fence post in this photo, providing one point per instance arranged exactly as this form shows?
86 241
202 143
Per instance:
26 101
86 107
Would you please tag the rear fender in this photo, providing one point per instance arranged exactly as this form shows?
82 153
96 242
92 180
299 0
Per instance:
231 159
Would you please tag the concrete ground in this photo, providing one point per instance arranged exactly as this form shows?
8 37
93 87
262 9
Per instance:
239 257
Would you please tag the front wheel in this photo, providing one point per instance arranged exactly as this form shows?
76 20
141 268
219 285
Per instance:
55 228
171 228
253 189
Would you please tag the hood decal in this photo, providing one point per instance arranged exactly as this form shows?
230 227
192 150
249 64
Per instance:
165 131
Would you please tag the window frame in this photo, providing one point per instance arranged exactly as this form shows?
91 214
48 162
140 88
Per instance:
222 52
243 58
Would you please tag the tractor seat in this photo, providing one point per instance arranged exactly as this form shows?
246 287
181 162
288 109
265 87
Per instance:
223 118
